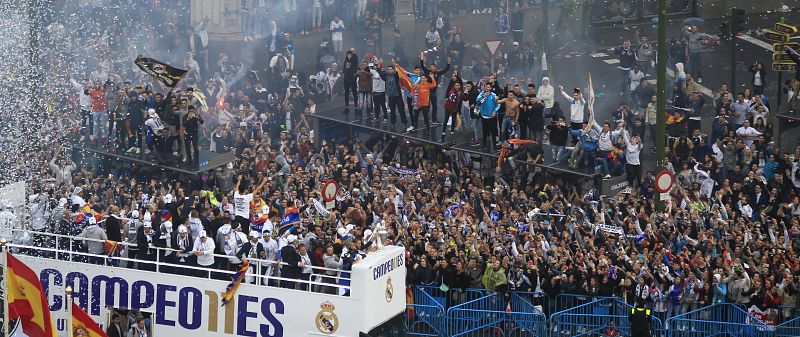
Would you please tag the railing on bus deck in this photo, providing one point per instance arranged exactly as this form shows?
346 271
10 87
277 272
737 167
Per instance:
604 316
259 266
790 328
718 319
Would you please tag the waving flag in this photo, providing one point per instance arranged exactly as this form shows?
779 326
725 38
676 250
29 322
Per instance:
591 95
84 325
27 301
164 73
451 211
405 82
290 218
236 280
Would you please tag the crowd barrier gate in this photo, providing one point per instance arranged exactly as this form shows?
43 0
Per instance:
497 315
717 320
790 328
425 316
601 317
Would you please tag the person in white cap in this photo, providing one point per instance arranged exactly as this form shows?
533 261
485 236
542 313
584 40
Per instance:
155 132
147 241
251 250
131 228
97 237
293 265
204 251
233 242
270 253
183 243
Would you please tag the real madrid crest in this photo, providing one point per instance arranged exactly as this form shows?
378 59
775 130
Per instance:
389 289
326 319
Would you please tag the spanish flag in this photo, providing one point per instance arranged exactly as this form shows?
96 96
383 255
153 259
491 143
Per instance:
84 325
27 301
402 74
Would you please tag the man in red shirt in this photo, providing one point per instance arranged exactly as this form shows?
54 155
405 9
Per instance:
99 114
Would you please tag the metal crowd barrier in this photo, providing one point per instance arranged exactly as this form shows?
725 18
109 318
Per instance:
790 328
453 296
604 316
566 301
717 320
497 315
425 316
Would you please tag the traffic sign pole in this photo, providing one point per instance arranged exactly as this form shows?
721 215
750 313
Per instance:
493 46
661 96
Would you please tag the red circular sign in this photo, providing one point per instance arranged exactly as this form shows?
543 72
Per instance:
329 190
664 181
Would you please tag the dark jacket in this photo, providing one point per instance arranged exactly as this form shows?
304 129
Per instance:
291 257
191 125
245 250
113 229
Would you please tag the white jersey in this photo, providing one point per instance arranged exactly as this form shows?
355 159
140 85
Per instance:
155 124
242 204
8 221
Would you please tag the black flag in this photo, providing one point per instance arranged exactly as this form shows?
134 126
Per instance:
163 72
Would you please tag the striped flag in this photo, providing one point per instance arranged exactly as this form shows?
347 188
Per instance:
84 325
236 280
591 94
405 82
27 301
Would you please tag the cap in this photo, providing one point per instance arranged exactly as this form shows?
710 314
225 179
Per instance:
135 214
203 234
148 224
291 238
151 112
267 232
225 230
182 229
515 43
254 234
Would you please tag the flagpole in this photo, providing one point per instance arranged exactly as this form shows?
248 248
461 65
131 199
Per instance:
6 314
68 291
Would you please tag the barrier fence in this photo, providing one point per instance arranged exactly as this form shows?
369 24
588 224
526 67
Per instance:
717 320
790 328
497 315
604 316
478 313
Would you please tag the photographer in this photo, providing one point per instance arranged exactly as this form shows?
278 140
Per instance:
191 125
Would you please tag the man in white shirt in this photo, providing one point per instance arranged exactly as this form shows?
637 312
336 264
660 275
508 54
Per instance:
204 250
155 132
747 133
337 27
576 107
270 253
636 76
241 202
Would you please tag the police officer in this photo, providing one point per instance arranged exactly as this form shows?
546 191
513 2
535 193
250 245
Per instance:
640 320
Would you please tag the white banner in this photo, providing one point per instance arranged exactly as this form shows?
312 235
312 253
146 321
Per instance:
610 229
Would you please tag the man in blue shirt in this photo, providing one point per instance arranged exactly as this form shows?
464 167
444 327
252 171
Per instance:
587 142
488 105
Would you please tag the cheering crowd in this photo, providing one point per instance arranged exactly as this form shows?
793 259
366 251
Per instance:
730 231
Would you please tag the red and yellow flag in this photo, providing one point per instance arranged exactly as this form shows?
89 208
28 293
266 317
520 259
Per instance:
27 301
83 325
405 82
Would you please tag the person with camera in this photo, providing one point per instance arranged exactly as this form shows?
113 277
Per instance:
191 125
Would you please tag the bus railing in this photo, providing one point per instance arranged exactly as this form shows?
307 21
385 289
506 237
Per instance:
257 273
